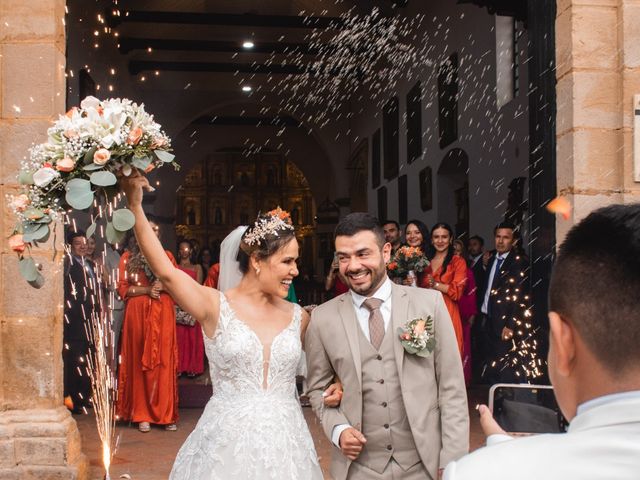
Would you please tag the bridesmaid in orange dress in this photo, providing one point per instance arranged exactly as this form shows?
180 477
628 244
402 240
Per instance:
147 386
446 273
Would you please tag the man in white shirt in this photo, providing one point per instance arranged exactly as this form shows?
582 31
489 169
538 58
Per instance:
594 364
403 416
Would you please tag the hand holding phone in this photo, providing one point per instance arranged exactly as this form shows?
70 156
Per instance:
526 409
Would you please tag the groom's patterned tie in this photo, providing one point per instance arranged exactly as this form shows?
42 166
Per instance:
376 322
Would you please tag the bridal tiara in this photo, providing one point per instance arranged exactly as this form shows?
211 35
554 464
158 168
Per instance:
270 224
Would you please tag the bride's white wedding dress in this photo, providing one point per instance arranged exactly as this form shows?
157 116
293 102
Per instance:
252 427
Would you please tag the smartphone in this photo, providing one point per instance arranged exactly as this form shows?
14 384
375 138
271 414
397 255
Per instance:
526 409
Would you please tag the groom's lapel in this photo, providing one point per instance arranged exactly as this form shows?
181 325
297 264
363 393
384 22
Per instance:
399 316
350 323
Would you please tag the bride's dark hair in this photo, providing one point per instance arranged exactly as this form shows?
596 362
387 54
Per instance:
269 244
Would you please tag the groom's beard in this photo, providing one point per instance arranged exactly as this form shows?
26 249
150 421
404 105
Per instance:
365 281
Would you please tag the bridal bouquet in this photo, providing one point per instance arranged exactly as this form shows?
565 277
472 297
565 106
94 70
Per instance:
406 260
77 163
418 337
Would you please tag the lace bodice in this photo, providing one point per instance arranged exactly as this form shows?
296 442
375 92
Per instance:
252 427
237 362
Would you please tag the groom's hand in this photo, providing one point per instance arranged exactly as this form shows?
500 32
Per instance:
351 443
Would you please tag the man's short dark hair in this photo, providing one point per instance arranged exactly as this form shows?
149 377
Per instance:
75 234
504 224
478 238
595 284
358 222
386 222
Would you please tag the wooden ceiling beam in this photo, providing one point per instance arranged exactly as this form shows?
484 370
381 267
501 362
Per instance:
228 19
128 44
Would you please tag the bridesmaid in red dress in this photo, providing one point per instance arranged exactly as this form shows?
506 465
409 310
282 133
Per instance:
190 341
446 273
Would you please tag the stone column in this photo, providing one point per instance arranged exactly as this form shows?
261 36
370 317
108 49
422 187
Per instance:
38 437
598 71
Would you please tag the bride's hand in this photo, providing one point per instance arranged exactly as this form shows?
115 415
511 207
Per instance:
333 395
132 187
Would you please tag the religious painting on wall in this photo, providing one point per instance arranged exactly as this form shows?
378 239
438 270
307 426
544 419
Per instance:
217 174
270 174
217 211
382 203
192 212
448 100
244 174
391 138
403 200
425 178
414 123
375 159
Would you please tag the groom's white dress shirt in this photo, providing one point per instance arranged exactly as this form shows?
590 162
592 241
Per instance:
362 314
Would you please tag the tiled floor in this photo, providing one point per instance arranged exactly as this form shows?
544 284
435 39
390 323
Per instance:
150 456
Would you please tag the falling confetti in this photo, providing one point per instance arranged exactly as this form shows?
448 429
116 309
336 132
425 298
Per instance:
561 206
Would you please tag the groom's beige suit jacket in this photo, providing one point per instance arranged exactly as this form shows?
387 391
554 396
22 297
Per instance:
432 388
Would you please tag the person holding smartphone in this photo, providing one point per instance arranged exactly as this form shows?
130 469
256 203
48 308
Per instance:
594 364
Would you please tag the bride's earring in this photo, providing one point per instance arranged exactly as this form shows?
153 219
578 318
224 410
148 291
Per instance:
257 270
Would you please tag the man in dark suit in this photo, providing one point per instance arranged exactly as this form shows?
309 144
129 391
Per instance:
80 294
503 303
475 252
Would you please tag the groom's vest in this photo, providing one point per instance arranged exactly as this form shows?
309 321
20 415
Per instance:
384 419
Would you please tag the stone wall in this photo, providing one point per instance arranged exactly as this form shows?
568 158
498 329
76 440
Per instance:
38 437
598 71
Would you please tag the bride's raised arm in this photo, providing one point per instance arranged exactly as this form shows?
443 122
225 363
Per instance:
201 302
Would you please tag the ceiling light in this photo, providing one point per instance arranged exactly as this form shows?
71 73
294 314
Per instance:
246 88
248 44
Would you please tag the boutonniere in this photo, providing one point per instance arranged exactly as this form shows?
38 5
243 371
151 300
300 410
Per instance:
417 336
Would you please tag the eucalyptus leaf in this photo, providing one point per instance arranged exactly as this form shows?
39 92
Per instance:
88 157
141 162
103 179
164 156
113 235
91 230
25 178
40 233
33 213
28 269
92 166
38 282
79 194
79 199
123 220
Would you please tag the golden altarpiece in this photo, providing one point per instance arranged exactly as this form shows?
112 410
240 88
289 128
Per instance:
229 188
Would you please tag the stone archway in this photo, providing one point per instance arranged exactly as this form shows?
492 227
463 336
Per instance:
38 436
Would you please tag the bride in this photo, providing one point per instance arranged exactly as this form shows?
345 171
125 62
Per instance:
252 427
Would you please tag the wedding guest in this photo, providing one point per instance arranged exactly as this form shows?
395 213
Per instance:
468 310
114 303
392 234
416 234
504 304
594 364
205 259
212 276
147 385
80 303
446 273
333 283
188 333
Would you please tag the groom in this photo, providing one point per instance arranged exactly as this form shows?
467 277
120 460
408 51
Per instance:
402 416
